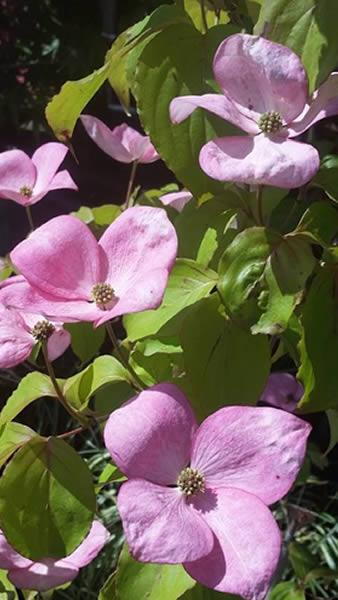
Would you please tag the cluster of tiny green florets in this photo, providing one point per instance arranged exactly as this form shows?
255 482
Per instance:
270 122
190 481
42 330
26 191
102 294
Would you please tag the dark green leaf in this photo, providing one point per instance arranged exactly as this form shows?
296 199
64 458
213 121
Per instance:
332 416
107 592
327 176
287 590
47 488
86 340
301 559
35 385
152 368
319 223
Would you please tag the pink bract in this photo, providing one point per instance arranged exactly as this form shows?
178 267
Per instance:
240 459
283 391
123 143
70 276
48 573
177 200
17 340
259 80
26 180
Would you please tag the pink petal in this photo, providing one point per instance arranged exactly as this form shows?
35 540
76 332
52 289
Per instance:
90 547
260 76
47 160
160 526
323 105
249 542
283 391
16 197
259 450
9 558
109 141
139 146
16 342
181 108
58 343
139 242
62 180
150 435
177 200
260 160
61 258
16 171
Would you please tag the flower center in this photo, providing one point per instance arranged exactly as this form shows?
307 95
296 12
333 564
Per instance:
102 294
270 122
26 191
42 330
190 482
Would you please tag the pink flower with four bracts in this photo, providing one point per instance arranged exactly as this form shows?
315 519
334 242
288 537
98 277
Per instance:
69 276
265 93
20 331
26 180
198 495
283 391
48 573
123 143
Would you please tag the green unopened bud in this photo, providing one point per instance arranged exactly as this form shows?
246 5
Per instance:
270 122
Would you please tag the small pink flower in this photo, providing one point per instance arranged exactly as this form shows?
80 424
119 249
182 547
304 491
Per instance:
49 572
177 200
26 180
123 143
19 332
265 93
70 276
199 495
283 391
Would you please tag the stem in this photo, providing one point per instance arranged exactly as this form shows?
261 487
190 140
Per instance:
138 384
29 217
259 197
83 428
204 16
129 201
61 398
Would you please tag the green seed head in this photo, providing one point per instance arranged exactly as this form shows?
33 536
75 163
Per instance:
190 482
102 294
26 191
42 330
270 122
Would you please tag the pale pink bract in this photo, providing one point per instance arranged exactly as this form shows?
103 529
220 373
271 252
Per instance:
246 458
27 180
177 200
66 272
261 79
123 143
48 573
282 391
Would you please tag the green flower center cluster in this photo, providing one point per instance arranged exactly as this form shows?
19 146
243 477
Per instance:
42 330
26 191
190 482
270 122
102 294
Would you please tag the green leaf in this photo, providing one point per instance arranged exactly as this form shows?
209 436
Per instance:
188 283
47 488
327 176
155 367
318 346
319 223
5 268
107 592
287 590
224 363
308 28
35 385
301 559
149 581
110 473
177 62
103 370
322 573
86 340
13 436
332 416
199 592
106 214
193 9
111 396
7 589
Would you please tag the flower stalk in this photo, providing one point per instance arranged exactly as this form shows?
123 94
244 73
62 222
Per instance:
129 199
136 381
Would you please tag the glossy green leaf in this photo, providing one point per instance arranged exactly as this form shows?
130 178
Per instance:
106 214
35 385
319 344
287 590
110 473
308 28
47 488
104 370
188 283
149 581
86 340
301 559
327 176
154 367
7 589
319 223
13 436
178 62
224 363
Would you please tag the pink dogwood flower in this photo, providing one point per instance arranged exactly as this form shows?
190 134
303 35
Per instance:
177 200
70 276
283 391
123 143
265 93
198 495
48 573
26 180
19 332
